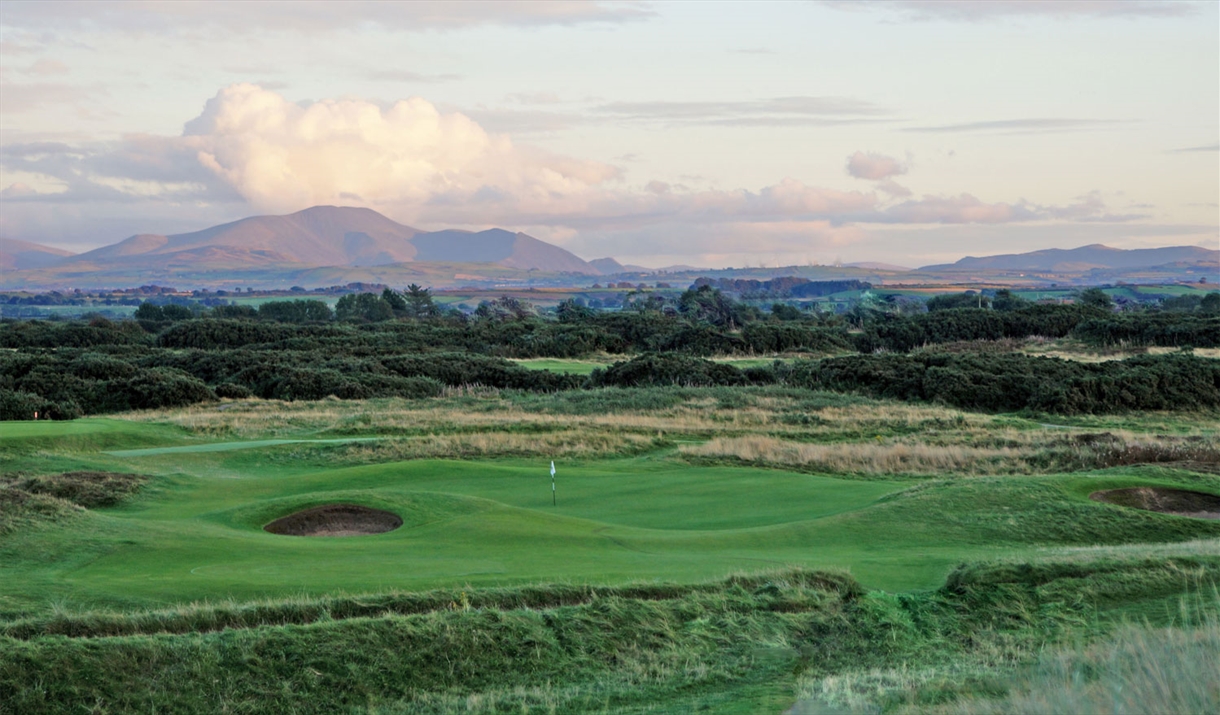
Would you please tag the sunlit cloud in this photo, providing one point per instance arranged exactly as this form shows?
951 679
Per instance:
1021 126
874 167
775 111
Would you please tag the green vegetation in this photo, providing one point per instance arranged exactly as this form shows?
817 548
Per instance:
930 528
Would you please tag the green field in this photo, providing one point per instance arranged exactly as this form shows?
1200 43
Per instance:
849 564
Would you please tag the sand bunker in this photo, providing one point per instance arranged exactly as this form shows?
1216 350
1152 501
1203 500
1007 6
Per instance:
335 520
1167 501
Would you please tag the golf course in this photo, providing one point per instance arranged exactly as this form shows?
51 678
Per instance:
703 537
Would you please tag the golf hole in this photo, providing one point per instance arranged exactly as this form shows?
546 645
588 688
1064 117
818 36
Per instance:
1179 502
335 520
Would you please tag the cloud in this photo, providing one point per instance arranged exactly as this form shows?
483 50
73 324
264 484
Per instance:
281 156
523 121
251 150
1206 147
1021 126
893 188
45 68
251 17
874 167
30 96
963 208
534 98
406 76
776 111
984 10
17 190
968 209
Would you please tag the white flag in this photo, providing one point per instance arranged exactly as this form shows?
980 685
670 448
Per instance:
552 469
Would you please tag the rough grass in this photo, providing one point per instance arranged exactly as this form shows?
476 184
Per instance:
1006 451
85 488
20 510
1138 670
29 501
729 646
770 427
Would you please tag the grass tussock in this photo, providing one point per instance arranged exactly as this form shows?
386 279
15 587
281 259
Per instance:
571 445
1002 452
1135 671
89 489
872 459
21 510
31 500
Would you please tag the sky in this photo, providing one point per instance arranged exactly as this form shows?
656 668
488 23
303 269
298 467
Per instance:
659 133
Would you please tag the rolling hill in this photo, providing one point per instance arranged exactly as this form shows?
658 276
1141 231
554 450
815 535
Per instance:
1082 259
19 255
342 242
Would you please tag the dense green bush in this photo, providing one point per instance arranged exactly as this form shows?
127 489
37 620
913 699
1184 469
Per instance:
66 369
1014 381
904 333
655 369
1160 329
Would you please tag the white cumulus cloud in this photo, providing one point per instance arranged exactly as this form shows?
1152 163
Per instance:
281 156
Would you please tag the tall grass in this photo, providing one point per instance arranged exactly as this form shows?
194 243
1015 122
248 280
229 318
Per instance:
1005 451
1135 671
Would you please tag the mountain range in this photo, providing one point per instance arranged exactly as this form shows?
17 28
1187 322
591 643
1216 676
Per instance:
1082 259
332 245
332 236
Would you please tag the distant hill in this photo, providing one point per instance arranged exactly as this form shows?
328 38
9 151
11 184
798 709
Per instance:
513 250
19 255
320 236
875 266
325 236
609 267
1083 259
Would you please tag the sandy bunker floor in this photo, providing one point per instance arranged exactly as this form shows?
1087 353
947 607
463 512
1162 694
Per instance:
1167 501
335 520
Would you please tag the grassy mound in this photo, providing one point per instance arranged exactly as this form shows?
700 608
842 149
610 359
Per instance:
87 489
29 500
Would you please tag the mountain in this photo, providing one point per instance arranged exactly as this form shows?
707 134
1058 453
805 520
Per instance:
319 236
609 267
512 250
1083 259
325 236
19 255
